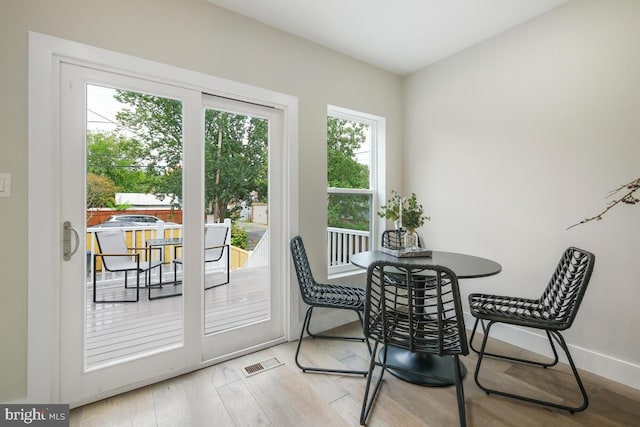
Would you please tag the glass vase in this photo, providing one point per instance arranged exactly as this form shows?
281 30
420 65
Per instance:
411 240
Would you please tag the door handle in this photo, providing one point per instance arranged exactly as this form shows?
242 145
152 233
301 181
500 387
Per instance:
67 252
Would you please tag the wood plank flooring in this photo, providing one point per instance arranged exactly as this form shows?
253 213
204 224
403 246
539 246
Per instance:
222 395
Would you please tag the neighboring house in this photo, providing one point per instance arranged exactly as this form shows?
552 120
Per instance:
142 201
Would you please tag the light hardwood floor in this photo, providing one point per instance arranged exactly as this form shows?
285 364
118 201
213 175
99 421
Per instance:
222 395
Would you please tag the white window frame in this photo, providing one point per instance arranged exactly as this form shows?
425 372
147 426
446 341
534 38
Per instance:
376 188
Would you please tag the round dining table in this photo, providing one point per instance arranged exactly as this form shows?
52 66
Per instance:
429 369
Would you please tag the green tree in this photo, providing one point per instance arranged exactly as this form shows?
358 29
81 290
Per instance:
235 150
101 191
156 123
235 160
344 139
119 159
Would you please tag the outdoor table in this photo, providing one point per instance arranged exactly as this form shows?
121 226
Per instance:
161 243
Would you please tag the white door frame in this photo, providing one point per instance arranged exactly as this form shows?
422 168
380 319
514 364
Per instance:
44 222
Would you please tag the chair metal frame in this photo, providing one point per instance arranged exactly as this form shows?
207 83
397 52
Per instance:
415 308
316 294
553 312
132 265
224 248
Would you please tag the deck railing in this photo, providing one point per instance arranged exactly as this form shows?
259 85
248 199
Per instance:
137 236
341 244
259 257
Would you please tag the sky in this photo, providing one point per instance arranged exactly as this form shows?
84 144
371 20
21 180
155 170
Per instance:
101 108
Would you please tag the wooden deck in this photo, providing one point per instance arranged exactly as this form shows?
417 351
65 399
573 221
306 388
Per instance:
118 331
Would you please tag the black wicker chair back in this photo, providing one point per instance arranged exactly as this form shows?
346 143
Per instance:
393 239
553 312
420 311
562 297
317 294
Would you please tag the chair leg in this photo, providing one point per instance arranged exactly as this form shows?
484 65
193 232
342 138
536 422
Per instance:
157 285
228 274
565 348
305 327
473 334
459 391
95 287
368 401
511 358
583 392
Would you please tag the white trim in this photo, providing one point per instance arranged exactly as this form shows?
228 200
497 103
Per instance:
365 191
600 364
45 55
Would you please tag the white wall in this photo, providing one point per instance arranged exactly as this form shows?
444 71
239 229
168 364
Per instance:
191 34
510 142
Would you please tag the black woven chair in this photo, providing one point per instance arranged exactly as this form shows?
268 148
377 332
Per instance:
316 294
422 314
393 239
553 312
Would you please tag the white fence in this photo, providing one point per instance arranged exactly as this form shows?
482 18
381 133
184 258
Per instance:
259 256
137 236
341 244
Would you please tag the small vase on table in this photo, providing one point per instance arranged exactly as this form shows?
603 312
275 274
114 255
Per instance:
411 239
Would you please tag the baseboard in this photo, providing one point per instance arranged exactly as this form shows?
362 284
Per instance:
328 318
597 363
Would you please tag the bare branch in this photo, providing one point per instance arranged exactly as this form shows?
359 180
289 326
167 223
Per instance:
628 198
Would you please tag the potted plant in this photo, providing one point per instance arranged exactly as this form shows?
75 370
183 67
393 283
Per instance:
412 217
405 213
391 210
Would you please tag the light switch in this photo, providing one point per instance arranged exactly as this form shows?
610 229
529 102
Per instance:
5 185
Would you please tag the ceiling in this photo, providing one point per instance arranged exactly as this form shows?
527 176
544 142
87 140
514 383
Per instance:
400 36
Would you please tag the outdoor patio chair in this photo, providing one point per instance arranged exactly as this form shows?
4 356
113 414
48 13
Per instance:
316 294
418 312
215 247
117 257
553 312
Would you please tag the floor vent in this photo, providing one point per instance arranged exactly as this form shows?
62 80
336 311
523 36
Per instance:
256 368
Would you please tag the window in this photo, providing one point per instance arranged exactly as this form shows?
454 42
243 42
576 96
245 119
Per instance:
354 142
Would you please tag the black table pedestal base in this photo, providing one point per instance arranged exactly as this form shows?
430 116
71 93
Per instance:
438 371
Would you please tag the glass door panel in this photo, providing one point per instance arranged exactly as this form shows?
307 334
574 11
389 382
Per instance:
242 182
121 189
133 191
236 184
